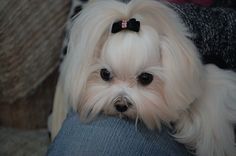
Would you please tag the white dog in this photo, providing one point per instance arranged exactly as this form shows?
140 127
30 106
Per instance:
135 60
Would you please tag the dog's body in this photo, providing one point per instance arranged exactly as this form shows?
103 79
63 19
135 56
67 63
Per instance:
154 75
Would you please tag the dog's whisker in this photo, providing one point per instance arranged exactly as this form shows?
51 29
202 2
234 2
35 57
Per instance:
120 115
136 123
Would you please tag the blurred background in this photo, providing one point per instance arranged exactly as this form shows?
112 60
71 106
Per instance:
31 35
31 39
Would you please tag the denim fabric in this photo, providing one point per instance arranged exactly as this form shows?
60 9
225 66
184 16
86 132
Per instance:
111 136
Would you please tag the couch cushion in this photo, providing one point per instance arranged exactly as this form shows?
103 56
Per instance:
31 33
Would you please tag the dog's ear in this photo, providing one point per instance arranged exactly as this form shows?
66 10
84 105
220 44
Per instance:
90 29
180 60
182 69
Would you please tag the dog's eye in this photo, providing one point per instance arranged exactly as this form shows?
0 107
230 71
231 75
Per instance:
105 74
145 78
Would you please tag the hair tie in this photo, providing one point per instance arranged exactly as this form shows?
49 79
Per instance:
132 25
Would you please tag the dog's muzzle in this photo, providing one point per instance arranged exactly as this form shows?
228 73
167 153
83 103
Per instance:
122 103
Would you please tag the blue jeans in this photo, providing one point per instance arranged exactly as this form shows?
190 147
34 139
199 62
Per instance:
112 136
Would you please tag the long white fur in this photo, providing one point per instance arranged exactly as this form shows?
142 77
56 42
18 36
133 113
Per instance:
199 99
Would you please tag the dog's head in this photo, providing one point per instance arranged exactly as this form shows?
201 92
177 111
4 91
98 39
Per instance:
152 75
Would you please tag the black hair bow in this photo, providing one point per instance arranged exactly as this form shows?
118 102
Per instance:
131 24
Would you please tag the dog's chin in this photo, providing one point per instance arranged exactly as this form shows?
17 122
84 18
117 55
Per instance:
150 121
147 105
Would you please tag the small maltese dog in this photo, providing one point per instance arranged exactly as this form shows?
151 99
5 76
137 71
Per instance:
135 60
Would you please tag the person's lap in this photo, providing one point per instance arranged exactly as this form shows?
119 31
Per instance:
112 136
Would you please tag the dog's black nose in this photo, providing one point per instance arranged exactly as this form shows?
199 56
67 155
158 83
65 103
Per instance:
122 103
121 108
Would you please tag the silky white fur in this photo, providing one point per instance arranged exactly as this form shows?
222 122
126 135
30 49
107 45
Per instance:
199 99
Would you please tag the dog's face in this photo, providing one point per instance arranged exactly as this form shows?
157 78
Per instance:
128 79
151 75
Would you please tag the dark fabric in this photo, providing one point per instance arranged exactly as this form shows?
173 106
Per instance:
214 33
225 3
